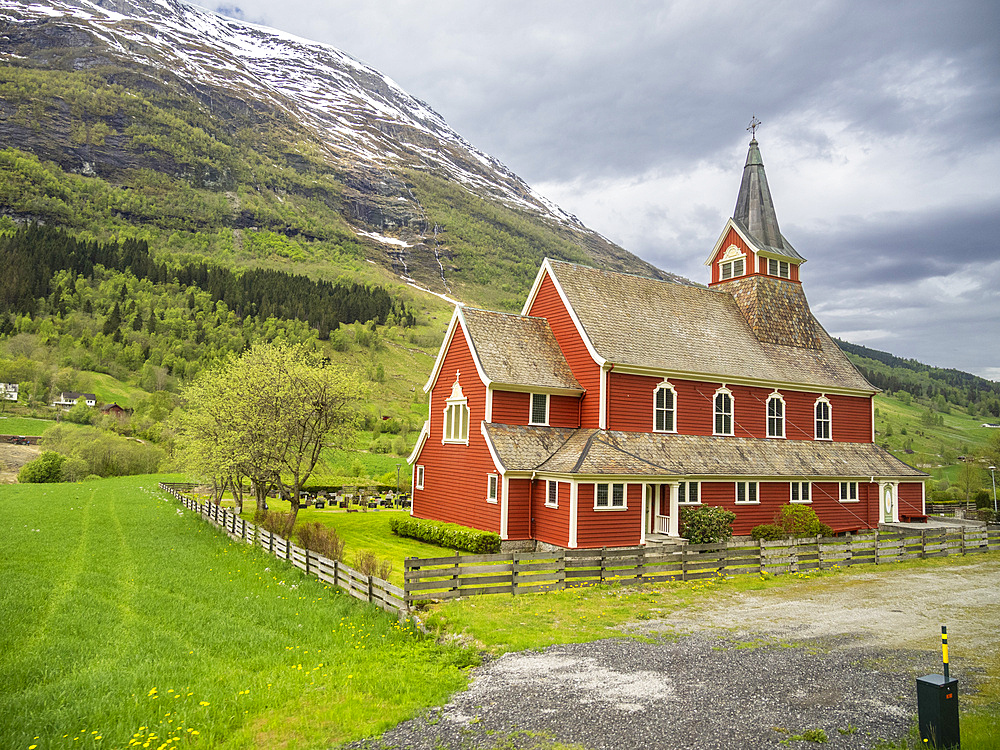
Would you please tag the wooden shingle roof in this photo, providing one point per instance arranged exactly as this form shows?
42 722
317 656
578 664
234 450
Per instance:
648 324
591 452
518 350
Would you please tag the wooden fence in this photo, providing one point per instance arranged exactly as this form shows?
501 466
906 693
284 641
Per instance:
524 572
365 587
528 572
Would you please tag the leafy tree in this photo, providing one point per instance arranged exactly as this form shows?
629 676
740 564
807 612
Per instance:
969 478
267 415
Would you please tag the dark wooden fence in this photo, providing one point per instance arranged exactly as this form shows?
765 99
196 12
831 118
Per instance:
524 572
515 573
365 587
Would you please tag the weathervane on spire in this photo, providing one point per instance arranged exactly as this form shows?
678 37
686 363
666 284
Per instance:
752 127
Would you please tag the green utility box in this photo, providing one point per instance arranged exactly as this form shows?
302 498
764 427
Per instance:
937 711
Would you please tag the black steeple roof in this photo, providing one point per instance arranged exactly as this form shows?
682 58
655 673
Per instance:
754 212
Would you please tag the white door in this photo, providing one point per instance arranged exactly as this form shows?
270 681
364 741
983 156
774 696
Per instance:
888 506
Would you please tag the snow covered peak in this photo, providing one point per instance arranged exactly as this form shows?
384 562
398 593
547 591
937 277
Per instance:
356 112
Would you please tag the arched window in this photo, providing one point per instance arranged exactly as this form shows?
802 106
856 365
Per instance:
775 416
664 408
456 416
723 412
823 421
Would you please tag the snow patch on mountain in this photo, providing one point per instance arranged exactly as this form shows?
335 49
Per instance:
355 110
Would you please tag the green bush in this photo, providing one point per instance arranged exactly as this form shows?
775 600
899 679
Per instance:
801 521
448 535
769 532
706 524
46 468
74 470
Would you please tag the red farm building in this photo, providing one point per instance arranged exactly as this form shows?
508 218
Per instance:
613 400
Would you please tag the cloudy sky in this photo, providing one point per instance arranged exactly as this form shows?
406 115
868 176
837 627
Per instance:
880 135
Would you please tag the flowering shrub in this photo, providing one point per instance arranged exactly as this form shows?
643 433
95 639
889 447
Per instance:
447 535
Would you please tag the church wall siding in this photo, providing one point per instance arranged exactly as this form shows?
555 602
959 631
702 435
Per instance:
550 525
519 509
608 528
513 407
548 305
455 475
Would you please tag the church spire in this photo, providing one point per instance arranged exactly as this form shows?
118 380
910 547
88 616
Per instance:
754 210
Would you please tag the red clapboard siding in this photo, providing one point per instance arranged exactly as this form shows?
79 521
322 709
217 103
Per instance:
852 418
608 528
550 525
510 407
911 497
518 508
548 305
631 409
455 476
835 514
564 411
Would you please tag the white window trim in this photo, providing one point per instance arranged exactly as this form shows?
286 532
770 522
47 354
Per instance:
458 405
687 493
774 396
418 481
732 412
746 492
781 265
800 485
611 496
729 258
550 483
829 421
666 385
531 409
492 487
857 493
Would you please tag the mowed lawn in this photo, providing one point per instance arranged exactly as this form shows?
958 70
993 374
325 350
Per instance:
127 621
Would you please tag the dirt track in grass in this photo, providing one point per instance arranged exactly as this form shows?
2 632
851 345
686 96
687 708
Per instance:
740 670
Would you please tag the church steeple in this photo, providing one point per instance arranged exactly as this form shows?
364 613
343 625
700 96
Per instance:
754 210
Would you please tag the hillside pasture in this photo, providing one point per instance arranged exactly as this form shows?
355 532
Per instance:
124 617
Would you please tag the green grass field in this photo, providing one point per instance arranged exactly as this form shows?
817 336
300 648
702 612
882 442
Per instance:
24 426
368 532
125 617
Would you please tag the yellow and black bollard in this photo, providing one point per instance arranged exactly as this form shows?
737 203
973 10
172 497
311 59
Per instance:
937 705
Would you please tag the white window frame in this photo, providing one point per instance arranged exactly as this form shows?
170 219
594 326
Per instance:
455 428
684 492
828 420
531 409
749 488
800 492
732 269
665 387
716 412
846 490
551 489
492 487
611 491
779 420
418 481
780 268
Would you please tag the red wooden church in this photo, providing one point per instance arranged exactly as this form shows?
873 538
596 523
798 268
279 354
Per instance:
614 400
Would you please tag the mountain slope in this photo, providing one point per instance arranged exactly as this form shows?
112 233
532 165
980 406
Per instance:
207 132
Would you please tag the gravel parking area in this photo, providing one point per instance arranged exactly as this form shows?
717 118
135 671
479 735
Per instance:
744 670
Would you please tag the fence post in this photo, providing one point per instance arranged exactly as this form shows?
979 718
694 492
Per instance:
604 561
513 573
307 560
456 567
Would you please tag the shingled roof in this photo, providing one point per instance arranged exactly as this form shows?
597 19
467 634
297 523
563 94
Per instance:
591 452
518 350
650 324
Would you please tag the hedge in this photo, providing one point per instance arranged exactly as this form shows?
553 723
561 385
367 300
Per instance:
448 535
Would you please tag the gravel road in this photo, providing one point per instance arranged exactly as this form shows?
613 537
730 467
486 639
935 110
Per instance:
742 670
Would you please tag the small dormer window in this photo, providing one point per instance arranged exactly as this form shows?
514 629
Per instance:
732 263
539 409
778 268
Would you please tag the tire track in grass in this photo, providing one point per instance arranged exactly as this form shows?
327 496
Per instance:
65 588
